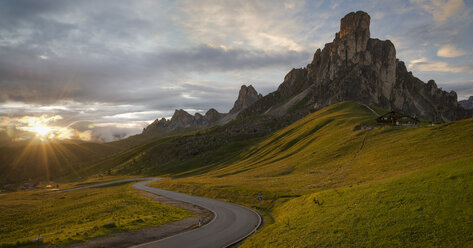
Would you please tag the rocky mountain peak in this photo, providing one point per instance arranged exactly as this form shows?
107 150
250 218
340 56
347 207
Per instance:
198 116
179 114
355 67
355 23
431 83
181 118
246 97
213 115
354 35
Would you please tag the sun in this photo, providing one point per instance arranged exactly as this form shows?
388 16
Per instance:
41 130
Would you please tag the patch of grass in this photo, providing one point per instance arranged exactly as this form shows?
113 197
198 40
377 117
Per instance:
428 208
75 216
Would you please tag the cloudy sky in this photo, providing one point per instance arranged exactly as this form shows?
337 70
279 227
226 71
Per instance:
111 67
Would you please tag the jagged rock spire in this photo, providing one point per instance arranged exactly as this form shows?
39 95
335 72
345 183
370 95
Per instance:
246 97
355 28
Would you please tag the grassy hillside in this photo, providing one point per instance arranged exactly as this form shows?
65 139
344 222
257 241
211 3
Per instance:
20 162
184 152
75 216
428 208
333 150
330 148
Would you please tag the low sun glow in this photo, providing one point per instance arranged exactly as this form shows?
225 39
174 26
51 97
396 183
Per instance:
41 130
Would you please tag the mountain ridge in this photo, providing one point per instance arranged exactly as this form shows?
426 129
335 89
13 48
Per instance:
356 67
183 121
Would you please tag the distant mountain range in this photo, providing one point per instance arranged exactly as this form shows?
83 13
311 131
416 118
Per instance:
353 67
183 121
467 104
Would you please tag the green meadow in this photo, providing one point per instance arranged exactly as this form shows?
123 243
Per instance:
75 216
429 208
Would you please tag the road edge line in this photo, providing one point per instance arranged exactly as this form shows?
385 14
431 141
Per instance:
250 233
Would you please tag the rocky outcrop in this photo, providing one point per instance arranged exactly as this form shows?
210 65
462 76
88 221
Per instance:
246 97
467 104
181 118
355 67
411 95
213 115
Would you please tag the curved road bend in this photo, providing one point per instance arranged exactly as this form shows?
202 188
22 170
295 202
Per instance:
231 224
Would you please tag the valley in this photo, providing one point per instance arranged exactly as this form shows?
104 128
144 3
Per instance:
351 150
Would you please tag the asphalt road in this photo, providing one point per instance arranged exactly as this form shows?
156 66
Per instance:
231 224
107 183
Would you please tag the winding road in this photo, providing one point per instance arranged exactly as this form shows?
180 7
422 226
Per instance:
231 224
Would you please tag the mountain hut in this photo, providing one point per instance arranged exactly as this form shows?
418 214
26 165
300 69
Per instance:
394 118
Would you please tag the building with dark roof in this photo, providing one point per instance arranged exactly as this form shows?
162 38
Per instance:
394 118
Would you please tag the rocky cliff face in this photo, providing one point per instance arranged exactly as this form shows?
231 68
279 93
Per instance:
355 67
181 118
246 97
467 104
213 115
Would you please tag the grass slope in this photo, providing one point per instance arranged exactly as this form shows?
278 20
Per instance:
63 218
428 208
20 162
327 150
